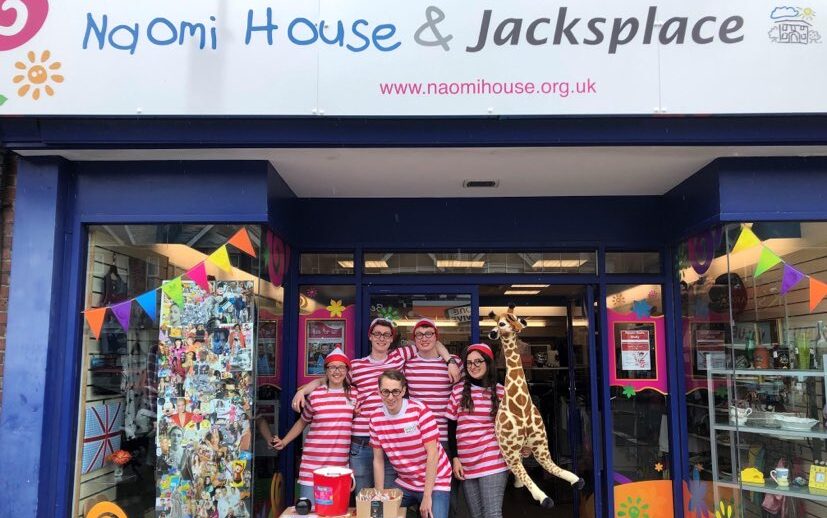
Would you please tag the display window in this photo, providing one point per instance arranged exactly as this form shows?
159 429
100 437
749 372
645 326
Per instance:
180 378
754 350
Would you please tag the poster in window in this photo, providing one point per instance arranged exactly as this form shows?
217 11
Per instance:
323 335
708 341
637 351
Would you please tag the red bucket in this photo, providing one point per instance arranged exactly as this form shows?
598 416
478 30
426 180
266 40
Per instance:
331 490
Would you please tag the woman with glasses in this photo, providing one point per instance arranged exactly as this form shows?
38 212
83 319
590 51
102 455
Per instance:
329 411
364 373
472 409
406 431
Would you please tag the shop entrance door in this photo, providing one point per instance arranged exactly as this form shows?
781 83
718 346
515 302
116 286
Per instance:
558 355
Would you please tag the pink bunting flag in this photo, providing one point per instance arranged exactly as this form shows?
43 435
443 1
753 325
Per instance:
790 279
122 312
198 273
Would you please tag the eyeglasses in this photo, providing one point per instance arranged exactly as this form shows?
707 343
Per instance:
336 368
377 335
476 363
426 334
394 392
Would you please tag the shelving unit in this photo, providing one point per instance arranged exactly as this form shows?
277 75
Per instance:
817 432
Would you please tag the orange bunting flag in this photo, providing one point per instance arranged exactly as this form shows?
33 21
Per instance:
818 290
241 240
746 240
221 259
95 317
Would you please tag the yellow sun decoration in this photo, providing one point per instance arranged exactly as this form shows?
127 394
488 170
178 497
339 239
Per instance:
37 74
335 308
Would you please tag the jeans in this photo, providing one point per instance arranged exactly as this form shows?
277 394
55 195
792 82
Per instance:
485 495
440 500
361 462
306 492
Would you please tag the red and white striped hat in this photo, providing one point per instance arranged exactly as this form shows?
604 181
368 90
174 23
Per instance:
483 349
336 355
425 322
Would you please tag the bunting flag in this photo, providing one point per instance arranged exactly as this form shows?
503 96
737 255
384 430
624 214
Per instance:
241 240
122 312
198 273
148 301
818 290
175 290
767 260
94 317
790 279
221 259
746 240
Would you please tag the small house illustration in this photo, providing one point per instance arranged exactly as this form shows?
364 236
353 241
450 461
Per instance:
791 31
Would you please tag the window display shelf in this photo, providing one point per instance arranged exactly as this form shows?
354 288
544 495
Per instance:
768 372
816 433
772 489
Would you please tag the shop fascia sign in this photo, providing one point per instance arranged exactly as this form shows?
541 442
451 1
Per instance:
447 57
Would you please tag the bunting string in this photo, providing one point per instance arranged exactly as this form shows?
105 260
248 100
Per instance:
173 289
769 259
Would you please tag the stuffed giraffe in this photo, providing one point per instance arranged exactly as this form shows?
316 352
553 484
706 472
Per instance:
519 424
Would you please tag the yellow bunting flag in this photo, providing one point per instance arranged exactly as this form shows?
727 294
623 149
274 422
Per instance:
94 317
175 290
818 290
241 240
767 260
746 240
221 259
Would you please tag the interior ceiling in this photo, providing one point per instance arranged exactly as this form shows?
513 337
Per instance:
440 172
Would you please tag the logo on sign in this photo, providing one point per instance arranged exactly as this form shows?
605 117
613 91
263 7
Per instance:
793 25
20 21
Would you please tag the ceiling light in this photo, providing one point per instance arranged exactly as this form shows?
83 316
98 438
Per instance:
522 292
529 285
368 264
438 323
559 263
458 263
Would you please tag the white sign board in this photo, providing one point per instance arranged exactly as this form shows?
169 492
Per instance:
394 57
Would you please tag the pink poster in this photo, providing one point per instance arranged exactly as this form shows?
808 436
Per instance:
319 333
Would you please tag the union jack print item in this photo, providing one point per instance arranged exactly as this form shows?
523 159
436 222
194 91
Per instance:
102 435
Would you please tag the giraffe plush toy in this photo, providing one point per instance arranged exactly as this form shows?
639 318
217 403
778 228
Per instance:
519 424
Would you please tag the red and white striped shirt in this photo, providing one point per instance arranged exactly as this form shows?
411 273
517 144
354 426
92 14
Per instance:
364 373
330 414
477 446
403 437
428 381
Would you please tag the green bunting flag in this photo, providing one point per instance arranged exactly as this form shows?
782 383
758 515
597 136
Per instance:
767 260
175 290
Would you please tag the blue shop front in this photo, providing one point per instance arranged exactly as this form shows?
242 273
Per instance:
185 257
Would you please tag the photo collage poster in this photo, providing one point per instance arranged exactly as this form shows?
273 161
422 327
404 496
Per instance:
205 402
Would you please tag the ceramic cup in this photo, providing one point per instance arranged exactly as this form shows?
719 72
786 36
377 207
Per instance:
739 415
781 476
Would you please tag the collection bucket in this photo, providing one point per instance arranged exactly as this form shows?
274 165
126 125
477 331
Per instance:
331 490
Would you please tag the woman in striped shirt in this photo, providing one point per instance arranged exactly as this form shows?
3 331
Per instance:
329 411
472 409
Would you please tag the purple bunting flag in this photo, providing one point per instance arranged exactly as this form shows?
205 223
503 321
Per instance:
122 312
790 279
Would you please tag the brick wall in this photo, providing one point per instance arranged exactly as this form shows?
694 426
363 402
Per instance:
9 184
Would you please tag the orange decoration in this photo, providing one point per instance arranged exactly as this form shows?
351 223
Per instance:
818 290
241 240
94 317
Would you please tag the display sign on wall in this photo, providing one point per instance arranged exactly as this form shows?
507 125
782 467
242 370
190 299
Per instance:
441 57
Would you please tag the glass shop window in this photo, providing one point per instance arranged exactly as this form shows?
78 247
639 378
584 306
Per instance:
465 262
182 337
633 262
338 263
755 347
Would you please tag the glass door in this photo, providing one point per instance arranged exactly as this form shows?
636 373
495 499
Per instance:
450 308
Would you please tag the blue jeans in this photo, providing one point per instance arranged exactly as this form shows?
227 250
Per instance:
440 501
361 462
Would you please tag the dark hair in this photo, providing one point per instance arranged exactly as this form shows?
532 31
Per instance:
394 375
488 382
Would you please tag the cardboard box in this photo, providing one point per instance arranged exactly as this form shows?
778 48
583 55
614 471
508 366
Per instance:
389 508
